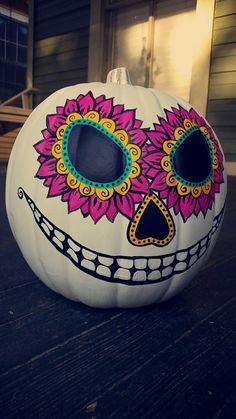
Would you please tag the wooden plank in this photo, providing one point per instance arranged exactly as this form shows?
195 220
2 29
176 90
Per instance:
12 118
226 7
15 110
225 133
58 84
223 64
224 36
56 64
223 50
225 22
52 9
228 77
58 44
225 91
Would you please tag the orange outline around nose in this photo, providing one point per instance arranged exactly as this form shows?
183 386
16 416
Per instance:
137 217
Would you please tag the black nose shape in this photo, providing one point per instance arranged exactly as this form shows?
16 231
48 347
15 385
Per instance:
152 223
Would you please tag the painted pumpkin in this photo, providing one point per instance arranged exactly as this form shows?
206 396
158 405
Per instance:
115 193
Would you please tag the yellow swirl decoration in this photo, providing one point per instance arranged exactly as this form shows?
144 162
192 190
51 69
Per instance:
187 124
135 151
86 190
60 131
214 146
61 168
92 115
57 149
124 188
179 132
135 171
72 182
170 179
183 189
165 163
215 162
122 136
168 145
205 131
109 124
196 191
206 188
104 194
73 117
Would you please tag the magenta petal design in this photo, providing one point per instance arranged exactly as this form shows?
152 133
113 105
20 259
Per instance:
183 196
90 196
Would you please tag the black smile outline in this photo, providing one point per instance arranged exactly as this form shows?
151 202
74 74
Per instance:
111 268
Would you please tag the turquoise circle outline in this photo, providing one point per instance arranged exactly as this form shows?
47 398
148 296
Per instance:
177 145
112 137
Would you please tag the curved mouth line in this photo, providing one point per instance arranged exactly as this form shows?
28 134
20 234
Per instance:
137 270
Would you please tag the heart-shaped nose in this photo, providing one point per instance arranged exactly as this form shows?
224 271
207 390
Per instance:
152 223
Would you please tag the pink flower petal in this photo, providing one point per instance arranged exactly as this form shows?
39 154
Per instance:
48 168
168 128
138 136
157 137
105 107
125 205
112 210
173 120
125 120
44 146
76 200
60 110
204 203
137 198
55 121
70 106
47 182
187 206
197 118
97 208
152 173
184 113
46 134
173 197
66 196
218 176
159 182
163 194
118 109
154 159
99 99
137 124
86 103
85 209
58 186
140 185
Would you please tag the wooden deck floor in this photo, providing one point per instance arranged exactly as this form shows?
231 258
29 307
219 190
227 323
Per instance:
59 359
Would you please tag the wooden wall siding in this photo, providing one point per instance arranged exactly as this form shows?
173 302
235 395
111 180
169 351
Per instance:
61 36
221 111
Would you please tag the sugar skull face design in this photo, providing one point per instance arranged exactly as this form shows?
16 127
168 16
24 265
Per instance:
125 207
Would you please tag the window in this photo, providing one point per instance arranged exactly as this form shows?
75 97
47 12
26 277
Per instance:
13 56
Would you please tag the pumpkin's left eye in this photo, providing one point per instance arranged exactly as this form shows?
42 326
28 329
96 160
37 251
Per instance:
94 155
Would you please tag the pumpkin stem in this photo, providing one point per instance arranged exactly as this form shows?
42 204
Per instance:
119 75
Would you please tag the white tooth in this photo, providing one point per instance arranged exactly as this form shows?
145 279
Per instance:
154 275
37 215
73 254
167 271
125 263
89 255
122 274
203 242
168 260
181 255
32 205
45 228
104 271
203 249
88 264
140 263
214 230
105 261
59 244
59 235
194 250
181 266
73 245
154 263
140 276
193 259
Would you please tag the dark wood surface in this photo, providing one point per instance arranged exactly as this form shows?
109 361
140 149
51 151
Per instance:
60 359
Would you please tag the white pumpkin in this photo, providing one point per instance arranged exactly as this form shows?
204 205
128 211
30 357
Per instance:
115 193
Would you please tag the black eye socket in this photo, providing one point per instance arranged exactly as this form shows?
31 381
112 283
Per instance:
191 158
94 155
